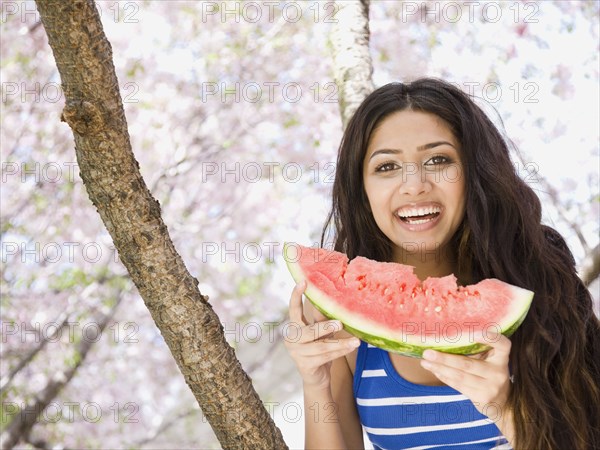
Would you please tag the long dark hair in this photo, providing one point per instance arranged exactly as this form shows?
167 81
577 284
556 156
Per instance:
555 357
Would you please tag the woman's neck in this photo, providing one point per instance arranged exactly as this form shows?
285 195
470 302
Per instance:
434 264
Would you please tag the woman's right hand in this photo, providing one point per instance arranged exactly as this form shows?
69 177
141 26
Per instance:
311 346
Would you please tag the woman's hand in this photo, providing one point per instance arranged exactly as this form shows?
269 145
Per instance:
483 378
311 346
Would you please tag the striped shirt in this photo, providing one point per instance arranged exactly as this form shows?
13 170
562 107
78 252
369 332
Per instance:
398 414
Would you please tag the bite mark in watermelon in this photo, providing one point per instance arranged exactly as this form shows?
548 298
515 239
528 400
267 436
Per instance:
386 305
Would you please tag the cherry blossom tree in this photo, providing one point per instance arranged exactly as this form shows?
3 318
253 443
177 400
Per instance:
234 120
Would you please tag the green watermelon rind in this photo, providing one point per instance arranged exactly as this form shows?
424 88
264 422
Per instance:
415 351
317 297
402 348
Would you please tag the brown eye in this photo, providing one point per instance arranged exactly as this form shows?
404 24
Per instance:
437 160
386 167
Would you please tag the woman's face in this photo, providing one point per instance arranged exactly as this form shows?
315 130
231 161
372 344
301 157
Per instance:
414 182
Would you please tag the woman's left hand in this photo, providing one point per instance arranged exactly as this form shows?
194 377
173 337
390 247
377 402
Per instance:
483 378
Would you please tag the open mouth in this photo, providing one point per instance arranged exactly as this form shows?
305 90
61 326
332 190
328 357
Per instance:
419 216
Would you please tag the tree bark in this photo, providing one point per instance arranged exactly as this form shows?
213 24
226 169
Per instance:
111 175
352 66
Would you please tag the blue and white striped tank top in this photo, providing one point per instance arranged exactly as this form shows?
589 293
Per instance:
398 414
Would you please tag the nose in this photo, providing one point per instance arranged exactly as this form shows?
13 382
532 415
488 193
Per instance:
414 180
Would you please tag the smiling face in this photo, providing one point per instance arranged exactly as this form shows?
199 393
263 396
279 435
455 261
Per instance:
414 182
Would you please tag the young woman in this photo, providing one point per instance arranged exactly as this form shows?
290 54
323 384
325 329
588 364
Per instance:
424 178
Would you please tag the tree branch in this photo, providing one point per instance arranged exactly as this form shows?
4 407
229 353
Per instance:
551 192
20 426
591 266
61 320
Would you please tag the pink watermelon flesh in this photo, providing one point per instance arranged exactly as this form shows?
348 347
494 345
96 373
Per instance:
386 305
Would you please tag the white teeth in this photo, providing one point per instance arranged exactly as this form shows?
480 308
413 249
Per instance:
418 221
413 212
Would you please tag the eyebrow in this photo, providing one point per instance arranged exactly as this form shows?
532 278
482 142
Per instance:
393 151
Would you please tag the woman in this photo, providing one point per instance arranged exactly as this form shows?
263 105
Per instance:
424 178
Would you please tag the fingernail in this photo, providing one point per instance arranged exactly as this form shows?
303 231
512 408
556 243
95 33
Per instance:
353 343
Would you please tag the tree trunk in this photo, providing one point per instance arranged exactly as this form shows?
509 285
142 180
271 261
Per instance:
352 66
111 175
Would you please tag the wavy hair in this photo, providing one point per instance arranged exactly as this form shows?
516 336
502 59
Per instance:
555 356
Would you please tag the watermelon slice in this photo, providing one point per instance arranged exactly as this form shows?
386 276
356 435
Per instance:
386 305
